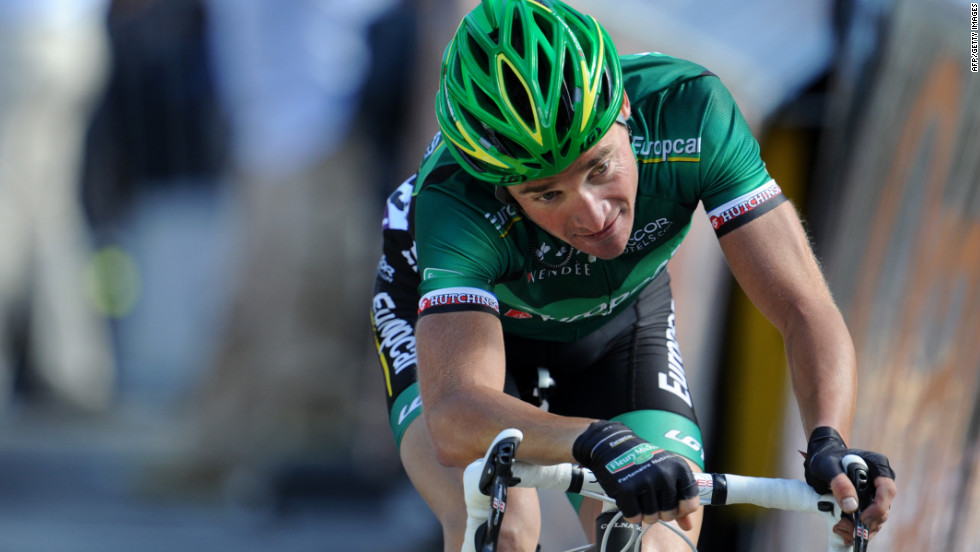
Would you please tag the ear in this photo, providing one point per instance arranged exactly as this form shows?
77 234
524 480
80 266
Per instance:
625 110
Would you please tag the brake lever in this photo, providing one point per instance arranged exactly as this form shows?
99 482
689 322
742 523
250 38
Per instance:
857 471
496 477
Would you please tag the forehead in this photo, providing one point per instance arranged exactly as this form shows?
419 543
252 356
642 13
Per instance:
607 146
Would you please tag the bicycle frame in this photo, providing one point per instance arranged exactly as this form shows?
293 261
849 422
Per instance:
486 481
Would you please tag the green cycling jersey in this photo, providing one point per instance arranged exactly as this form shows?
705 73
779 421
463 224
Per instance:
691 144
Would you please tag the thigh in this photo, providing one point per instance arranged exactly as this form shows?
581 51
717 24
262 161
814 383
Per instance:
442 489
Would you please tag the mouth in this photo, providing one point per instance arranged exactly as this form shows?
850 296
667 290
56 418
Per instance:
606 231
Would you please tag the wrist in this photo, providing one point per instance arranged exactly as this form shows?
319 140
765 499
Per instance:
599 433
824 451
823 438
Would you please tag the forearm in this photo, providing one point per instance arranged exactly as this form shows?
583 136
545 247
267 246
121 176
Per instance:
462 365
823 368
464 423
772 261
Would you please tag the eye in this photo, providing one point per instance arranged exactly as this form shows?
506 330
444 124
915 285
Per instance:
548 196
601 169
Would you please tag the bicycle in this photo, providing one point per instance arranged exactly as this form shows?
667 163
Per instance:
486 482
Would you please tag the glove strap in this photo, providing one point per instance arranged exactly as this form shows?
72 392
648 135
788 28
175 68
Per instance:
585 444
823 433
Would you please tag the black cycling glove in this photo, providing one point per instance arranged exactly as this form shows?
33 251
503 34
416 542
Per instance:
824 453
642 478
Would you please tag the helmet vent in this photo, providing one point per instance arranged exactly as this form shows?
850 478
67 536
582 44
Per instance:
581 28
517 35
480 57
567 101
548 157
485 102
568 80
587 48
471 121
457 72
544 73
567 145
508 147
518 96
474 164
499 142
546 27
605 92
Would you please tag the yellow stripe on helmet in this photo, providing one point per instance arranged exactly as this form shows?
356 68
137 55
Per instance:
542 6
471 147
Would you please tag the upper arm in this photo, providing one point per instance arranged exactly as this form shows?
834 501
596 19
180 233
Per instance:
771 259
458 351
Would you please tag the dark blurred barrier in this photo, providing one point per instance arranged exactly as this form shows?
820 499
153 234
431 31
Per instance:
900 235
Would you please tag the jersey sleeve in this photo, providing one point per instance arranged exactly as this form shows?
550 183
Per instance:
460 255
736 187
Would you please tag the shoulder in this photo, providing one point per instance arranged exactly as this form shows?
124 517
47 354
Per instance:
444 187
437 164
670 92
398 207
653 72
461 228
657 83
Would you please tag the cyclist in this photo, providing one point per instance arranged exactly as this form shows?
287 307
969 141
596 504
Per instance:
536 235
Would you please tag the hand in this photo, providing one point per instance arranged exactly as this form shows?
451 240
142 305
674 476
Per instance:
825 473
648 483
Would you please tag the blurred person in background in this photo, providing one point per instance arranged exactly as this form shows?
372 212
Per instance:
284 385
54 60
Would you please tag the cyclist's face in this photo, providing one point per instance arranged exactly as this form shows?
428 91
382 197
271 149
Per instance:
590 204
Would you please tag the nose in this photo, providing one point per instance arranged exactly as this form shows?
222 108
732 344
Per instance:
590 213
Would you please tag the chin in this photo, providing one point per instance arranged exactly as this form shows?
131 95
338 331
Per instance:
609 249
607 255
607 252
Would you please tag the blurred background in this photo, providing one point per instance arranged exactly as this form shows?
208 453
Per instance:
190 207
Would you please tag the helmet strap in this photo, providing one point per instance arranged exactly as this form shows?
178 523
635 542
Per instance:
502 195
622 120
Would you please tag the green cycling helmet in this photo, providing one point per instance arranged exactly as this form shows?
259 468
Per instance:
526 87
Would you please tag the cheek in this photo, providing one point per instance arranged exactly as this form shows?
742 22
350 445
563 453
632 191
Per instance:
632 182
626 177
625 186
553 222
546 219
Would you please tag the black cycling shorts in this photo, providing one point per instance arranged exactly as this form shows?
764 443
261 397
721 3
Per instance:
629 370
